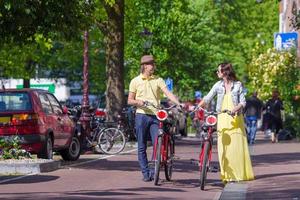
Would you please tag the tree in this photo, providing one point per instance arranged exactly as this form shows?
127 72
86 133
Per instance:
26 24
21 21
278 70
113 30
275 70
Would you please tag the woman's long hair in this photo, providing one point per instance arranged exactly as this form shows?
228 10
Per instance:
227 70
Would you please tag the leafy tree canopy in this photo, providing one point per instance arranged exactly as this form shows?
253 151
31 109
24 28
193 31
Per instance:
20 21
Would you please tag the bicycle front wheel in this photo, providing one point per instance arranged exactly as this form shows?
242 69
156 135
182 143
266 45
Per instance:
111 141
204 167
170 159
157 160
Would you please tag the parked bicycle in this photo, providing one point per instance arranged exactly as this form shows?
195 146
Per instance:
103 137
126 123
164 147
208 128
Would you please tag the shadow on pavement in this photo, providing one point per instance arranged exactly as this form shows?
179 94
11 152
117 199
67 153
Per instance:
32 179
277 175
113 165
286 158
130 193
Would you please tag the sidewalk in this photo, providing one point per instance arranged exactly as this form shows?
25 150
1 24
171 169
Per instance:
277 172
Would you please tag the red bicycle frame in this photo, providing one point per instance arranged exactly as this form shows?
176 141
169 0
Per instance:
209 139
165 138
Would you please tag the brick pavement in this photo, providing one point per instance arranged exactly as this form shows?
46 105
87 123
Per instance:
277 172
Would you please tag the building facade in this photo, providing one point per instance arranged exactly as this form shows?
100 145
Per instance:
288 20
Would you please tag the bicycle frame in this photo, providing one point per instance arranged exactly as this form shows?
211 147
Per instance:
166 137
198 120
98 128
209 127
163 150
126 125
206 138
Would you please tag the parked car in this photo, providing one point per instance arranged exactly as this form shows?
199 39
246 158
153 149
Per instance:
179 116
41 123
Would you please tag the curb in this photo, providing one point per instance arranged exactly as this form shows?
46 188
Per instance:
234 191
29 167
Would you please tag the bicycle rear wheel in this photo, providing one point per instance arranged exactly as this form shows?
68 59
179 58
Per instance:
170 159
204 168
157 160
111 141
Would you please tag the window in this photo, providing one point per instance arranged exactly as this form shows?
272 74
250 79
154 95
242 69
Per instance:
55 105
15 101
45 104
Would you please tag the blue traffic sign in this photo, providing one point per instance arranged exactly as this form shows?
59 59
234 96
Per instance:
285 41
169 83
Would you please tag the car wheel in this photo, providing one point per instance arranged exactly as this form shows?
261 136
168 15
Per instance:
73 151
47 149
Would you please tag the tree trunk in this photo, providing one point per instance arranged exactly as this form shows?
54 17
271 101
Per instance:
115 59
28 69
26 83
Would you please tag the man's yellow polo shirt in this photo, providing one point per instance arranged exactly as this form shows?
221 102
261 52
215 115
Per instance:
147 89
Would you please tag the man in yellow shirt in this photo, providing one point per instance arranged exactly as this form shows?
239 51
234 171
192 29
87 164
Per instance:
147 87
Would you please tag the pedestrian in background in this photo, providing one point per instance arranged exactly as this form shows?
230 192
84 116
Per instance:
147 87
233 150
253 111
274 109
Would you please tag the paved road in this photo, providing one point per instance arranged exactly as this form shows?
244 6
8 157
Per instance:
276 169
116 177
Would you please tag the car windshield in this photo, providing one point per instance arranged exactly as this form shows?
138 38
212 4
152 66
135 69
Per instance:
14 101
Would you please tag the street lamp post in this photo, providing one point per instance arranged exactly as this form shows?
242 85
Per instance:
85 114
147 37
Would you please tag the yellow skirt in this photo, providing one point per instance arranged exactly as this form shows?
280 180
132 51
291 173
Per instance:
233 149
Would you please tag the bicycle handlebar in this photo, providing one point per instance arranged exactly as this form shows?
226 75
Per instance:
211 112
147 104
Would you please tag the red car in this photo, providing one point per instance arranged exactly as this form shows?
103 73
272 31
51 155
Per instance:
41 123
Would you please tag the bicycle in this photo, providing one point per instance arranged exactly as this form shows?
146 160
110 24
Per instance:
208 128
104 135
198 120
164 147
126 123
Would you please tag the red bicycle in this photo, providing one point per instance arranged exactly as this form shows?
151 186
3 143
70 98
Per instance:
208 128
164 147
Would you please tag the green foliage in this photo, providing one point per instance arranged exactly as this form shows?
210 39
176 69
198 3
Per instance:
275 70
292 124
14 57
180 42
10 149
191 37
21 20
278 70
65 59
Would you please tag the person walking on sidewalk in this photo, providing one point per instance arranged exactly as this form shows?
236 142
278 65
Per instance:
274 109
233 153
253 112
147 87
